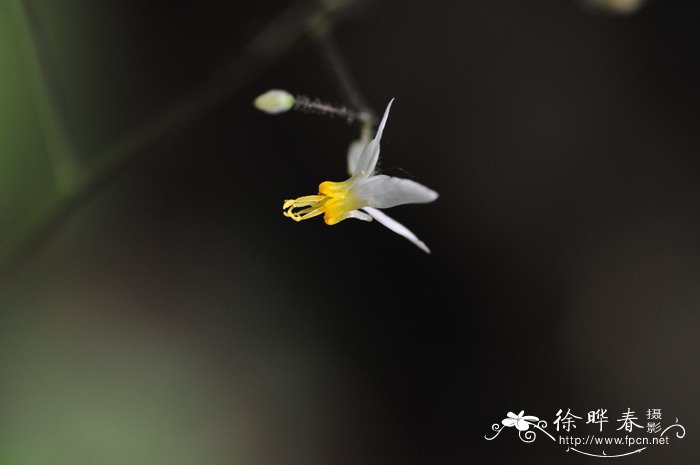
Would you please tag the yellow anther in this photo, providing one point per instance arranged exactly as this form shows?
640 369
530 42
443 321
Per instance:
334 201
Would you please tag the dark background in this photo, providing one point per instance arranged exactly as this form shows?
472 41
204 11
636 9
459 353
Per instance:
173 315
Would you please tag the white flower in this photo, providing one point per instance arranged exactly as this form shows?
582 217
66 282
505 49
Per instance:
522 423
364 193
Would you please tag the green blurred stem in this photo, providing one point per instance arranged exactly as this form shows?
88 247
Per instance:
66 166
77 184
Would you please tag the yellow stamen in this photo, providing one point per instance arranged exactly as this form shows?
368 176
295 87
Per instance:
334 201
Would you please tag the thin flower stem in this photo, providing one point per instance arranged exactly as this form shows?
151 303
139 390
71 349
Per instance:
305 104
280 35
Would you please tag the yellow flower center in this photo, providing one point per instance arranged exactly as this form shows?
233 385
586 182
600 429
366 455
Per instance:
334 201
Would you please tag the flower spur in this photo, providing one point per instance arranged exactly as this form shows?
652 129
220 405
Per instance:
364 193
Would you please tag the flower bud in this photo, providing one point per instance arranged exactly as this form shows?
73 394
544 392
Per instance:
274 101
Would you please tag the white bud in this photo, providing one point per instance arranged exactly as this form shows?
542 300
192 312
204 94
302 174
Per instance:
274 101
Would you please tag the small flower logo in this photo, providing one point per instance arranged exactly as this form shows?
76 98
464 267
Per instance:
520 421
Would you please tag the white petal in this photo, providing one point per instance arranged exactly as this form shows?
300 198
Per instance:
385 192
508 422
522 425
370 155
358 215
397 227
354 153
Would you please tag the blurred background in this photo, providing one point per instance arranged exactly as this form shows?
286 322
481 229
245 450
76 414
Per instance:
157 308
